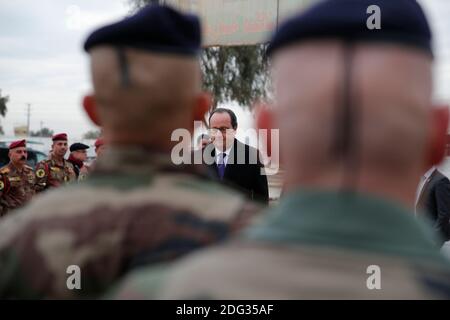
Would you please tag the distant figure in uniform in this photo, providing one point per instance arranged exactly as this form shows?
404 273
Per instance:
4 189
236 163
137 207
433 202
358 102
56 170
78 155
99 146
20 178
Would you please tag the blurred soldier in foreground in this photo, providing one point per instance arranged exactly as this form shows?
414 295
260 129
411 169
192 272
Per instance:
21 181
137 207
55 171
78 156
358 102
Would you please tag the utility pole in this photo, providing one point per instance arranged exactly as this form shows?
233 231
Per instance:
28 118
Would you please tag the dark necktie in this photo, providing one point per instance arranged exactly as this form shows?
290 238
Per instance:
221 165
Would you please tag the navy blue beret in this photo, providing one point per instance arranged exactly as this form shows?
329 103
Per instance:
402 22
78 146
153 28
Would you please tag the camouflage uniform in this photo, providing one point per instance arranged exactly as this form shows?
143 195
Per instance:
315 245
136 208
84 172
4 189
51 174
21 187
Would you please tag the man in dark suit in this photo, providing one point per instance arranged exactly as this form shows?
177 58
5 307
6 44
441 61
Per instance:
234 162
434 201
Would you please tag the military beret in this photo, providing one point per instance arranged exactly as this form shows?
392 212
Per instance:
78 146
17 144
402 22
60 136
99 142
153 28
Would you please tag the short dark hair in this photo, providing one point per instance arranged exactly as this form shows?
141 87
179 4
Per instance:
233 118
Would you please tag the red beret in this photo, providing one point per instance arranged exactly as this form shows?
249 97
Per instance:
17 144
60 136
99 142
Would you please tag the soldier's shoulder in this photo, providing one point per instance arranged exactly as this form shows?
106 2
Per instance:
69 164
44 162
28 168
199 195
5 170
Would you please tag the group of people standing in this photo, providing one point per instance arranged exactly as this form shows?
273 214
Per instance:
20 182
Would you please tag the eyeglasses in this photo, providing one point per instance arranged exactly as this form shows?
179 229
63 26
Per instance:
216 130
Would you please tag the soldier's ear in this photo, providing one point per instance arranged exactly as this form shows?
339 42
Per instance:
91 109
437 142
202 105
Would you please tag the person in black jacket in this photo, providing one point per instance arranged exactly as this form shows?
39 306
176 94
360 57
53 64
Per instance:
234 162
78 156
434 201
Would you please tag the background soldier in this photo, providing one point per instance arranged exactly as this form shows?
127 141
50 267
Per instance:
4 189
20 178
99 146
56 170
137 207
78 156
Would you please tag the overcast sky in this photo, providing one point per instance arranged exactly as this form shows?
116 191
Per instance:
42 62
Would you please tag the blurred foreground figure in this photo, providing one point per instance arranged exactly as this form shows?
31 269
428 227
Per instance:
358 102
137 207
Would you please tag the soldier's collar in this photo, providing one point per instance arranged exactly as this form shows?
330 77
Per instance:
349 221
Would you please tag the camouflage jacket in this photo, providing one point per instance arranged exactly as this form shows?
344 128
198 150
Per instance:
51 174
136 208
4 189
313 245
21 187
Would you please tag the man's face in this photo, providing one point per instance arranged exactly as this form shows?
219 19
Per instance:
100 150
221 130
59 148
18 156
80 155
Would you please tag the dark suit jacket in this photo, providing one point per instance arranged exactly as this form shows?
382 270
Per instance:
434 202
243 171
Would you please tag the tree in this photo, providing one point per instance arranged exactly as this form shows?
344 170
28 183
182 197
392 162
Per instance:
93 134
3 101
231 73
44 132
3 108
